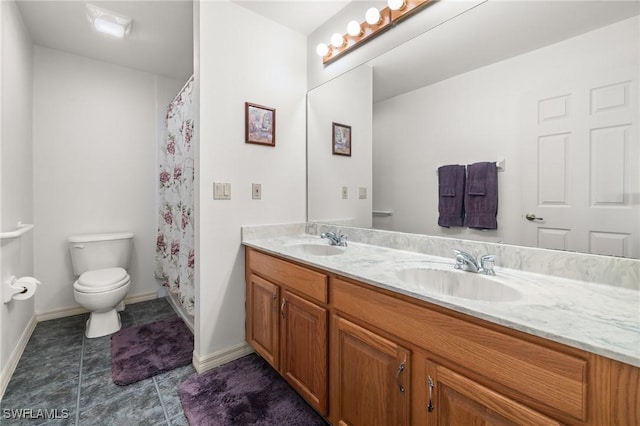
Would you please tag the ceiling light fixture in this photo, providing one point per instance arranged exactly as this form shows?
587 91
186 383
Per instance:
376 22
108 22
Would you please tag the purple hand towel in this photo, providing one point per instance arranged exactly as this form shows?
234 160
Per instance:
451 195
481 196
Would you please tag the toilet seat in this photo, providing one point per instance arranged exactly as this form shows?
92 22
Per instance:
101 280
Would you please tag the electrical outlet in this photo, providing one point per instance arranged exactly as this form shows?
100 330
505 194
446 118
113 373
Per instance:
345 193
362 193
256 191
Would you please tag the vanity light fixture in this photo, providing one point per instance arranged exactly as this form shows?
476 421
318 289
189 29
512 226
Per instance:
375 23
373 16
354 29
396 4
337 40
322 49
108 22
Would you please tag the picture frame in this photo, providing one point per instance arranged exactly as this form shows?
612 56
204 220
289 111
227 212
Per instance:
260 124
341 139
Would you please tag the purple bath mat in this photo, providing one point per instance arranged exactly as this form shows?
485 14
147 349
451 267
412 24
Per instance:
246 391
146 350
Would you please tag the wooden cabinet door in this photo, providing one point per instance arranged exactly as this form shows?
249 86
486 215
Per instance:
459 400
304 349
263 319
369 378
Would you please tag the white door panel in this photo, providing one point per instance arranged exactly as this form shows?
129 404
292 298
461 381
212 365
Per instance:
582 164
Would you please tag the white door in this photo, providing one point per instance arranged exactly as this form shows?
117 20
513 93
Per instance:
581 183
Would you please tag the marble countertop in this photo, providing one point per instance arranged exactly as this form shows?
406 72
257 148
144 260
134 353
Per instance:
597 318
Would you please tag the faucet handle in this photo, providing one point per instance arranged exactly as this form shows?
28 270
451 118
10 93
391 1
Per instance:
342 240
487 262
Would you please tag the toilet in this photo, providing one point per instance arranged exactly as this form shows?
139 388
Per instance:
100 262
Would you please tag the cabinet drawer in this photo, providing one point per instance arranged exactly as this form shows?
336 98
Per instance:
539 374
307 282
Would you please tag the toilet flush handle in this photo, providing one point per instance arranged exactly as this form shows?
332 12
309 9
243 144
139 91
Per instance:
78 246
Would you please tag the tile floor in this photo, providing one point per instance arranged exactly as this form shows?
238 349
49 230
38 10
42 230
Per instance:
62 370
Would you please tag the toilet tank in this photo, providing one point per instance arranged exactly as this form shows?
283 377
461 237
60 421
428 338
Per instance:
100 251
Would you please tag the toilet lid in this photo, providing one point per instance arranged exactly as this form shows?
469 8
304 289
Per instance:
101 280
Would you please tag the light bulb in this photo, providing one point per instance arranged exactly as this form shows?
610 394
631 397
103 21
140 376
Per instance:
337 40
396 4
354 29
322 49
372 16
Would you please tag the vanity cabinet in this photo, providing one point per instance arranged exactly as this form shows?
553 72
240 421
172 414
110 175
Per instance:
287 323
263 319
463 401
397 360
370 377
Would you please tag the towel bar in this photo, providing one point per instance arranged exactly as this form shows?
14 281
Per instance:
500 165
22 229
382 212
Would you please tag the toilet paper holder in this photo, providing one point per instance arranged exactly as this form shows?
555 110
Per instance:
17 286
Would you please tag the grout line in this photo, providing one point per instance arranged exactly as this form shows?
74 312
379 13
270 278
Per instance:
80 379
164 409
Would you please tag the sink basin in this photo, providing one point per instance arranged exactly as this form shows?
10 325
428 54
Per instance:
316 249
465 285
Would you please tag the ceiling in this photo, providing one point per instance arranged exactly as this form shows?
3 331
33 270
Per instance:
161 39
490 32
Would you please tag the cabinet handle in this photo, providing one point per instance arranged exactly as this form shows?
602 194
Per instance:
400 370
430 384
284 302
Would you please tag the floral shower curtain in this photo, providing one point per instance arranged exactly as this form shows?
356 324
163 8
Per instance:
175 239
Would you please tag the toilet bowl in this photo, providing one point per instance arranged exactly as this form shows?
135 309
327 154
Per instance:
100 261
101 292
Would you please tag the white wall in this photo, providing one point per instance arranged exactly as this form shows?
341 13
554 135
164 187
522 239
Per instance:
476 117
95 136
346 100
267 66
16 183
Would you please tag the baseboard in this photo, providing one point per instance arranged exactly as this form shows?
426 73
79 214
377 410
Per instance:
202 364
142 297
77 310
12 363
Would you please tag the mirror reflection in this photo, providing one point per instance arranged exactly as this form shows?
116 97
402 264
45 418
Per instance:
549 89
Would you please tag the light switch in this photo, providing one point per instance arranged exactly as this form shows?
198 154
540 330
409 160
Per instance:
345 193
256 191
362 192
221 191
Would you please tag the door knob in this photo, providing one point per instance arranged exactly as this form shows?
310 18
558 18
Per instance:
531 217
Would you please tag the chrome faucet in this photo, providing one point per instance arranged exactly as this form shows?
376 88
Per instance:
335 240
466 262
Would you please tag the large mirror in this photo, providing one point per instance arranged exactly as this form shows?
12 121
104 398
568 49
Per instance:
547 89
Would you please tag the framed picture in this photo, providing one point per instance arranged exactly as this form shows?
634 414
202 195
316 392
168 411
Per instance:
260 124
341 140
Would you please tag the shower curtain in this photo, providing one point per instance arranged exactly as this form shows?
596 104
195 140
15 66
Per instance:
175 239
